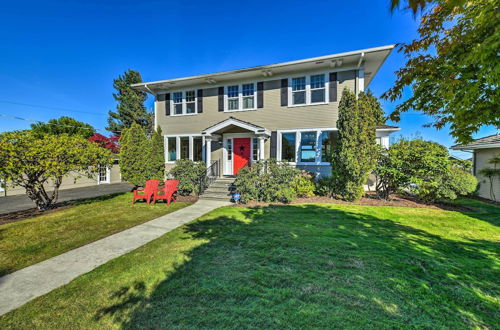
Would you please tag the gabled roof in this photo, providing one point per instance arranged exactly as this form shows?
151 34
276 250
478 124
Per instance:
371 58
231 121
491 141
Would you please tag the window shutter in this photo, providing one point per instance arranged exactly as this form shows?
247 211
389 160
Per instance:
274 143
167 104
333 87
284 92
260 94
199 100
221 99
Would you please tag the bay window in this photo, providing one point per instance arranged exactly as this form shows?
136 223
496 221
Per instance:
307 146
184 147
327 141
197 149
288 147
171 149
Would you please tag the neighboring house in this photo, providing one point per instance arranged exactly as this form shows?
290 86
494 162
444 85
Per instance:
286 111
483 150
106 175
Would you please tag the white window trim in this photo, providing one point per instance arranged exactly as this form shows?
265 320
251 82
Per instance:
184 103
177 138
308 89
297 144
240 97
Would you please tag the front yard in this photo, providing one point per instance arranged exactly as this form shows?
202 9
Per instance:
29 241
297 266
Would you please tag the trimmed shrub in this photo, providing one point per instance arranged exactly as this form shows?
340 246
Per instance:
303 185
454 183
189 174
325 187
266 181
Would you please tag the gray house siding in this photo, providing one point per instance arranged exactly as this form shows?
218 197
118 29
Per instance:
272 116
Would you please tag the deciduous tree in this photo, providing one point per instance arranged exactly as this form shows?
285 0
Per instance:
453 67
63 125
34 163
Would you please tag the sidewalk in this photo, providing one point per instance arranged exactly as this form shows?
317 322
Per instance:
28 283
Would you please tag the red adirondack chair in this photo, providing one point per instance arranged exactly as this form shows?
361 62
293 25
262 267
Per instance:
148 192
167 192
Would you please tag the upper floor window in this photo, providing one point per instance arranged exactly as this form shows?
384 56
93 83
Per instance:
240 97
308 90
184 102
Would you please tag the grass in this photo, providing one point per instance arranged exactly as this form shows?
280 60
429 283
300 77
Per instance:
29 241
297 266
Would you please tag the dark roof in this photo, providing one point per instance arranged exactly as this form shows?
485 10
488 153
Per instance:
492 139
385 127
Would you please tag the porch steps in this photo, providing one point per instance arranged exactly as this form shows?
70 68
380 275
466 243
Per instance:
219 190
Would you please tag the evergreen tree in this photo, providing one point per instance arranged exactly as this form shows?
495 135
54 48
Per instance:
156 159
130 108
354 154
134 150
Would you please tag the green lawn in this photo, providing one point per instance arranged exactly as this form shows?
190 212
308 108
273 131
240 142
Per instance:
297 266
26 242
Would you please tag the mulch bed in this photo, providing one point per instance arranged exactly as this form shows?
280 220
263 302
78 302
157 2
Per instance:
371 199
34 212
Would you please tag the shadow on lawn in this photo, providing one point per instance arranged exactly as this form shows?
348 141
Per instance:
310 266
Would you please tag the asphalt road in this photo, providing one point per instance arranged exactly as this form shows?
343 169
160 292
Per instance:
22 202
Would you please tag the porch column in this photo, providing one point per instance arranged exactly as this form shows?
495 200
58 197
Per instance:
208 150
261 147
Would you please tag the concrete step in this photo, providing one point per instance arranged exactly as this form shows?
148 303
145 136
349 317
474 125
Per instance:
218 189
225 194
225 199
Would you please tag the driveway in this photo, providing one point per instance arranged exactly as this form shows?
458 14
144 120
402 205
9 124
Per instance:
22 202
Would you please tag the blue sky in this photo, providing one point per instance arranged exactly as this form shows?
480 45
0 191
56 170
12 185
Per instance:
62 56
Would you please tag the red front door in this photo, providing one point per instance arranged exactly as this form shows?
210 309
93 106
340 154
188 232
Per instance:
241 153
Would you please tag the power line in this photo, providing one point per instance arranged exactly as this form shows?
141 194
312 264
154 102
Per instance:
39 121
52 108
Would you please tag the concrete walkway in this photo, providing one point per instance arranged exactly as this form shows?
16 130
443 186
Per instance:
33 281
22 202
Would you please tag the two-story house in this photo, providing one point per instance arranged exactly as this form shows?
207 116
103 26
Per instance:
286 111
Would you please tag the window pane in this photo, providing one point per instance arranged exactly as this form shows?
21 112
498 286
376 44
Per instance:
248 102
327 142
299 97
248 90
190 107
232 104
255 149
177 97
184 148
299 84
288 147
232 91
178 109
318 81
197 149
172 149
308 147
190 96
229 149
317 95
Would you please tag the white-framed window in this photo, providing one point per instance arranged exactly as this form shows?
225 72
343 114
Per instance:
241 97
308 90
184 147
255 149
306 146
184 103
